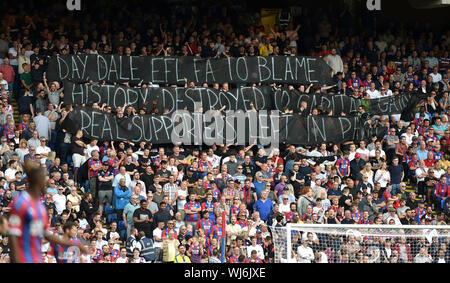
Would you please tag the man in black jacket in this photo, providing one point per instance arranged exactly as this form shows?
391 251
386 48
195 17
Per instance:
161 215
143 218
409 218
90 207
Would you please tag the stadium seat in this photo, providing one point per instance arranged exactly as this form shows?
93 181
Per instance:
121 225
111 218
123 234
109 210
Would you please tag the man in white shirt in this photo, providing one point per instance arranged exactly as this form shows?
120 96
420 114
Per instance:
393 215
100 241
34 141
123 256
91 147
10 173
13 52
421 172
372 92
438 171
3 81
214 159
157 239
305 253
255 247
435 75
363 151
377 146
284 206
60 200
43 150
335 62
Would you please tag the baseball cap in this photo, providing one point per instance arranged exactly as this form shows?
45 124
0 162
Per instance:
105 163
421 201
357 155
3 82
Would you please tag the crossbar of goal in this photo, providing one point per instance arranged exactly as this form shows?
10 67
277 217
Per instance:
314 227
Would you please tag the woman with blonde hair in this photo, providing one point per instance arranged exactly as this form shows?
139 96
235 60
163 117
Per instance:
367 171
444 120
22 150
382 175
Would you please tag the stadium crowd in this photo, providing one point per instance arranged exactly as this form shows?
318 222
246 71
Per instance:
162 203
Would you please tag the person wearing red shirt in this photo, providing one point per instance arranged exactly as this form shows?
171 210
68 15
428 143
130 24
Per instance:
429 162
354 82
205 223
276 159
8 73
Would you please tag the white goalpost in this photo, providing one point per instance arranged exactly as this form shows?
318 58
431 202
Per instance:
328 243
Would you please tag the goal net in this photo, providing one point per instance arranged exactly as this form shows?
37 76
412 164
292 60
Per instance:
322 243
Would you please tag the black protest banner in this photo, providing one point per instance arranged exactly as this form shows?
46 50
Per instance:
197 128
394 104
292 100
182 127
319 160
389 105
173 70
170 98
313 130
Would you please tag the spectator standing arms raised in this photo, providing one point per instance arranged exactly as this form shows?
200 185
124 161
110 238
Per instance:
78 155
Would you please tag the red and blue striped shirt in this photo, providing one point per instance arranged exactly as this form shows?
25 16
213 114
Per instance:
23 126
217 231
112 163
234 259
206 224
343 166
196 253
420 212
234 209
441 191
356 216
216 193
250 260
165 233
8 134
67 254
211 207
195 216
91 164
28 221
